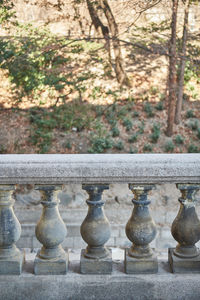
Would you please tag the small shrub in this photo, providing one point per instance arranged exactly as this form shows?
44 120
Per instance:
133 150
99 111
133 138
68 145
155 133
141 128
2 149
189 114
194 125
128 124
122 112
193 149
154 90
159 106
198 133
169 146
147 148
100 144
179 140
135 114
148 109
115 131
119 145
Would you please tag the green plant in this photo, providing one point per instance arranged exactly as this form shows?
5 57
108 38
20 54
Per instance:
198 133
100 144
68 145
147 148
133 150
169 146
149 110
115 131
153 90
155 133
194 125
6 11
119 145
193 149
179 140
111 117
159 106
64 117
141 128
133 138
189 114
2 149
122 112
128 124
136 114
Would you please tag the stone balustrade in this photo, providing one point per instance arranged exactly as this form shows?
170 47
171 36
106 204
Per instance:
95 172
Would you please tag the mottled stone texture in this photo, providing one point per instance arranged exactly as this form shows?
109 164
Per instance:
183 265
140 230
56 266
11 259
95 231
97 266
99 168
12 265
50 231
144 265
186 231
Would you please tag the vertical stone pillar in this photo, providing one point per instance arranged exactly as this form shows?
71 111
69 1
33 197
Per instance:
186 231
95 231
11 259
50 231
140 230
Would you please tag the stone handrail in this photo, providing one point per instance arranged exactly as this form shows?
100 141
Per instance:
96 172
99 168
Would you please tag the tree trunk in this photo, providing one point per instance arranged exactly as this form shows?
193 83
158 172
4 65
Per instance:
96 21
121 75
182 65
172 71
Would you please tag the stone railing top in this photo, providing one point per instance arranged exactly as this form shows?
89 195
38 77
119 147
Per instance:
99 168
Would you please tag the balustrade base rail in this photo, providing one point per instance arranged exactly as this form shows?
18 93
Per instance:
116 286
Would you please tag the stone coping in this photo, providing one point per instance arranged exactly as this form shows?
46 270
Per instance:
99 168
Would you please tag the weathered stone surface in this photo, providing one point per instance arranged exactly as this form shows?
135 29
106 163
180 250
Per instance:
56 266
183 265
96 266
140 265
12 265
99 168
116 286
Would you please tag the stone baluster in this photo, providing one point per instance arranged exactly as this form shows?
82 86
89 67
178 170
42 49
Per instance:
140 230
50 231
186 231
11 258
95 231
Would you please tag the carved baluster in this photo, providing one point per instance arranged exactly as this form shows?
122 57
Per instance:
140 230
50 231
186 231
11 258
95 230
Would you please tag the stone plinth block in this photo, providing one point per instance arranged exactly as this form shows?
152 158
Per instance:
147 265
183 265
96 266
55 266
12 265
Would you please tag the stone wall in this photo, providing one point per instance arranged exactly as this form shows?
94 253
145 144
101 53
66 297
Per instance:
118 208
62 17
